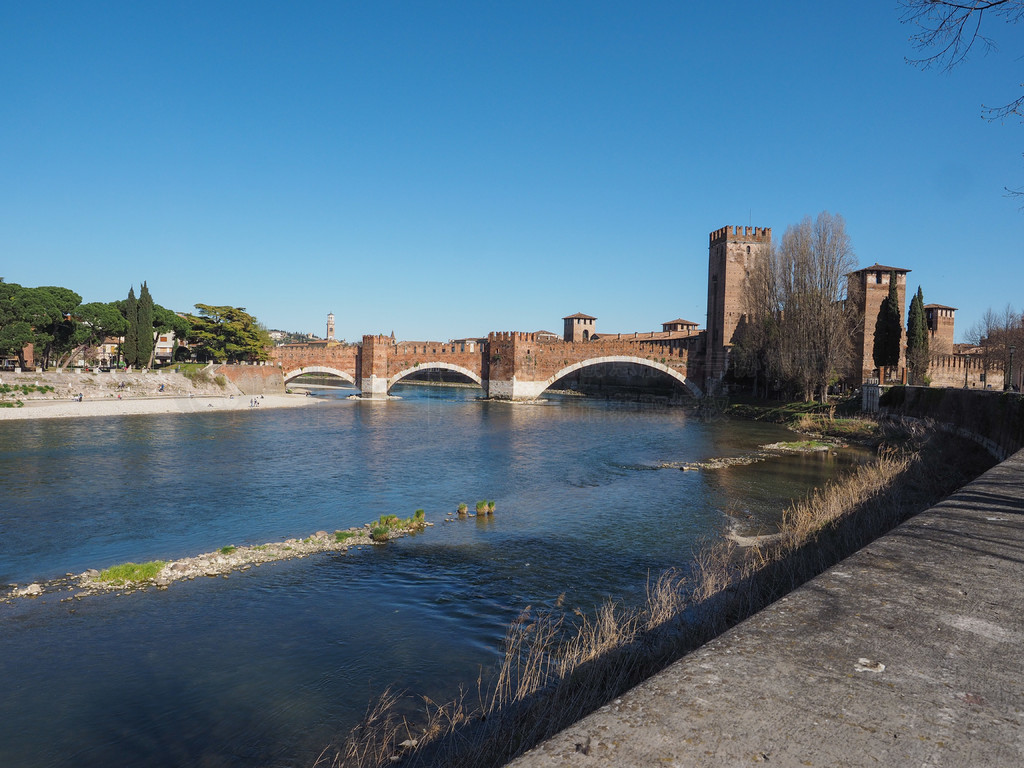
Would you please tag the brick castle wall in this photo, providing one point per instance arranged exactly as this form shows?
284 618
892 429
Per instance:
959 371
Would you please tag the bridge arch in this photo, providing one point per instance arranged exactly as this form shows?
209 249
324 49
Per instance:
643 361
437 366
320 369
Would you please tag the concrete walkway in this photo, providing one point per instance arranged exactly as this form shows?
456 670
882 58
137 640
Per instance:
909 653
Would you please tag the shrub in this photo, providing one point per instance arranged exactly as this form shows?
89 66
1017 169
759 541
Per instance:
228 549
419 516
380 533
344 535
128 572
481 506
490 507
220 380
462 508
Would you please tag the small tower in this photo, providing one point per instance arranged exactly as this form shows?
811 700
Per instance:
579 327
732 253
866 289
330 326
940 328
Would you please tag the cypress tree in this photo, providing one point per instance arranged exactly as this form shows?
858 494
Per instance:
888 330
145 327
917 338
130 345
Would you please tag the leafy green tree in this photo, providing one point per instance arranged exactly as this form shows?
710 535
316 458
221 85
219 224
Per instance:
93 323
15 329
885 350
146 341
230 334
917 339
46 310
130 344
165 320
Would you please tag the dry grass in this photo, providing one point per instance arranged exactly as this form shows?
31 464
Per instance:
558 667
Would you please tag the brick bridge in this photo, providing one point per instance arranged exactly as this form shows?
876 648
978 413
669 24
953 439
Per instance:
507 366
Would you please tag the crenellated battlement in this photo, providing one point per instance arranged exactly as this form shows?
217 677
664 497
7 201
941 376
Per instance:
960 371
511 336
740 233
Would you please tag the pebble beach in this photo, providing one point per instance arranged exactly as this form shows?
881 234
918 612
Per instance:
130 406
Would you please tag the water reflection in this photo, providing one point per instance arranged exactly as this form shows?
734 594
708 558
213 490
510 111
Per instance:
267 666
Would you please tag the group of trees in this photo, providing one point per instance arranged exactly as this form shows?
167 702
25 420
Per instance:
227 333
999 335
62 329
798 329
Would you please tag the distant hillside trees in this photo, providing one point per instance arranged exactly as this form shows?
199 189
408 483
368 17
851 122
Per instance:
798 328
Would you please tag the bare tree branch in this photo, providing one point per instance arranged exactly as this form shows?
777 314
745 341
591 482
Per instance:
949 31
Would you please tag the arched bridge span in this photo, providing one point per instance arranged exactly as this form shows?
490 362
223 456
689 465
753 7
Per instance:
672 373
435 366
321 369
507 365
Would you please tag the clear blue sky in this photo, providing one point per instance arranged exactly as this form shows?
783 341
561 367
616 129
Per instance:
444 169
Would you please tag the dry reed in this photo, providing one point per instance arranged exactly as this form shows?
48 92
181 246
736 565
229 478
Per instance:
556 670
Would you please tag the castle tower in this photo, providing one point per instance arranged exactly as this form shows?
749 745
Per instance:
330 326
866 289
732 253
940 328
579 327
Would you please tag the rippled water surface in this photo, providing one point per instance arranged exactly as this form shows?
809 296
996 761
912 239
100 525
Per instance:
268 666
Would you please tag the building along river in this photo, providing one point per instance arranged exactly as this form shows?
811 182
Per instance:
267 666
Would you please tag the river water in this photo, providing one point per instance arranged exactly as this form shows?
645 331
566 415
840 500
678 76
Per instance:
268 666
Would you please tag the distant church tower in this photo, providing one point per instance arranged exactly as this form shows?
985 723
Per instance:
330 326
732 252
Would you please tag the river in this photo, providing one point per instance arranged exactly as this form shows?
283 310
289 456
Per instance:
268 666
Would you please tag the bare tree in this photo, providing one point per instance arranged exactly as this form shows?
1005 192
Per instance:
995 334
756 353
950 30
794 300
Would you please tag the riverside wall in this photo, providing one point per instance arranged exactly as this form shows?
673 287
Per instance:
995 419
254 379
905 653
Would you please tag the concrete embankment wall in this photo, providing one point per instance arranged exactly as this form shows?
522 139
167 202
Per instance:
995 419
254 379
905 653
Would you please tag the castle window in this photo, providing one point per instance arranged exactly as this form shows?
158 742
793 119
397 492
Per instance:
878 277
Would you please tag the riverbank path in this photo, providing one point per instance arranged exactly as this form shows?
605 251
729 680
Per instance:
907 653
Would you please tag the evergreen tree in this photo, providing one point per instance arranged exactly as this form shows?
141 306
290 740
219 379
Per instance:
146 342
888 330
130 345
917 339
